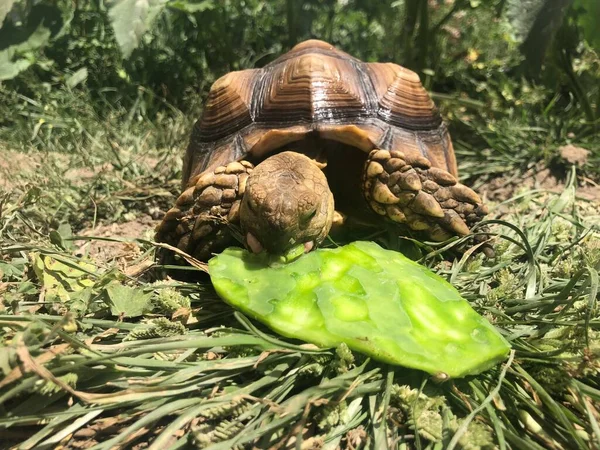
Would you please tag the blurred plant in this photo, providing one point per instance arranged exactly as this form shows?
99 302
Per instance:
89 65
552 35
534 24
26 28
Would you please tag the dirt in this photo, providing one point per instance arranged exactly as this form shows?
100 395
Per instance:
123 253
574 155
85 174
13 164
82 175
538 177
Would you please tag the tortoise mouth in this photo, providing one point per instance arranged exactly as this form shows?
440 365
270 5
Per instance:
308 246
255 246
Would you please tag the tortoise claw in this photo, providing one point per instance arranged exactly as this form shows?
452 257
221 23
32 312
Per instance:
425 204
453 222
427 199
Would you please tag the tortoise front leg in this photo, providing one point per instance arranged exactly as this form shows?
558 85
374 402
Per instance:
199 222
425 198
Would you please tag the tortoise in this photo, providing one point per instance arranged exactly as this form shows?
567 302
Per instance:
314 139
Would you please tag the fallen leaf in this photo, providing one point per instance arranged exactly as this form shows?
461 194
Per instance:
127 301
61 281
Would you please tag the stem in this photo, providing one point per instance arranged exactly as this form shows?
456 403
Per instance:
576 85
291 23
423 35
410 23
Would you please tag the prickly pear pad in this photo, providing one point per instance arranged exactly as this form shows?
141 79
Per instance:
377 301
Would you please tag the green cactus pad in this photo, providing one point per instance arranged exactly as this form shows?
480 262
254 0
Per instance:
376 301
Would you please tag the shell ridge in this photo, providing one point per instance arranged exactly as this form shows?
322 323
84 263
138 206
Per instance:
422 148
206 156
368 88
240 147
440 134
448 150
387 140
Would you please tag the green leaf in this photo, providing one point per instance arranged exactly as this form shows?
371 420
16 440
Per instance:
16 58
126 301
27 288
191 8
77 78
374 300
131 19
588 20
5 7
61 235
13 269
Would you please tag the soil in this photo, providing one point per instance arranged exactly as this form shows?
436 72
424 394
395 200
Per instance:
538 177
12 163
85 174
123 253
574 155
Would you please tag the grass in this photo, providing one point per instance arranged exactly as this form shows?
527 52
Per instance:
100 351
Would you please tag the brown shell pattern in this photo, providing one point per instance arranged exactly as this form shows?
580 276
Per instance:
319 90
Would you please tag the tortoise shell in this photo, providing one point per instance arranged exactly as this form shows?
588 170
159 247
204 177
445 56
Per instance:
317 90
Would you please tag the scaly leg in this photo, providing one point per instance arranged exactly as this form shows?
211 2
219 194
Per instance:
199 222
425 198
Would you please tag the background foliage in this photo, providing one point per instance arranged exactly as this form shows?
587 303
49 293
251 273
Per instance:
150 56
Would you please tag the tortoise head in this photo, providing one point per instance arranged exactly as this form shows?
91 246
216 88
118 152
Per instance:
287 202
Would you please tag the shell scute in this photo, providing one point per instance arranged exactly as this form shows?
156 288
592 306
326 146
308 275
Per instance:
403 101
311 87
228 106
